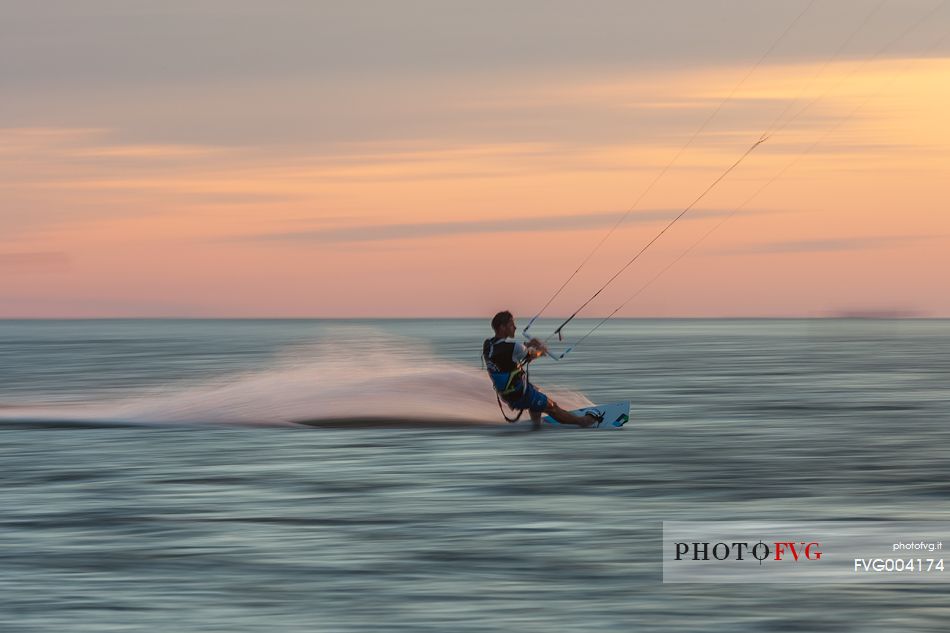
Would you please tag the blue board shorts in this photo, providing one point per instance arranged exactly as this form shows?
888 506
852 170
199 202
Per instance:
531 399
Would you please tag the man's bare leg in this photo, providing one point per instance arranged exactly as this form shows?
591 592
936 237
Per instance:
566 417
535 420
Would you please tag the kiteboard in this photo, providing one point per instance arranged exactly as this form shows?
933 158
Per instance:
615 415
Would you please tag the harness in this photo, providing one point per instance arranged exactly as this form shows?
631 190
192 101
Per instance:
516 383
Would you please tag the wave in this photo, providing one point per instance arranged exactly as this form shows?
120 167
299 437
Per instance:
353 378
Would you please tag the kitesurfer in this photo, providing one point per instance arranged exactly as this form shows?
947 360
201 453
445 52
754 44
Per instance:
507 359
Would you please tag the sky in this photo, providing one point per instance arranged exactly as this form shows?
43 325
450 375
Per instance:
228 158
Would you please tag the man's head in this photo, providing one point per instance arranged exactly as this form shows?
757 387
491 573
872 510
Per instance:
504 324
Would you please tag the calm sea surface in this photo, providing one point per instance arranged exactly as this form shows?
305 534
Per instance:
153 477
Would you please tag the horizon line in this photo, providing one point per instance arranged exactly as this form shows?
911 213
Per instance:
833 317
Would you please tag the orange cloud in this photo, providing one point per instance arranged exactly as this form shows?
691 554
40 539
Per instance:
154 222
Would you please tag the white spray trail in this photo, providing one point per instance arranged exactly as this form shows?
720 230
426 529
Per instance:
346 378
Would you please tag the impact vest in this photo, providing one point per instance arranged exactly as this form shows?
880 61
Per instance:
507 374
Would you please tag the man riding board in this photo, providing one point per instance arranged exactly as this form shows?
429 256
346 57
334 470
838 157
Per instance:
506 360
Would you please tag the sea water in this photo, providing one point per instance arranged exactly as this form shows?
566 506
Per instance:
153 476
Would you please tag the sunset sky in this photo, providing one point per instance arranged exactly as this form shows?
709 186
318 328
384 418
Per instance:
227 158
